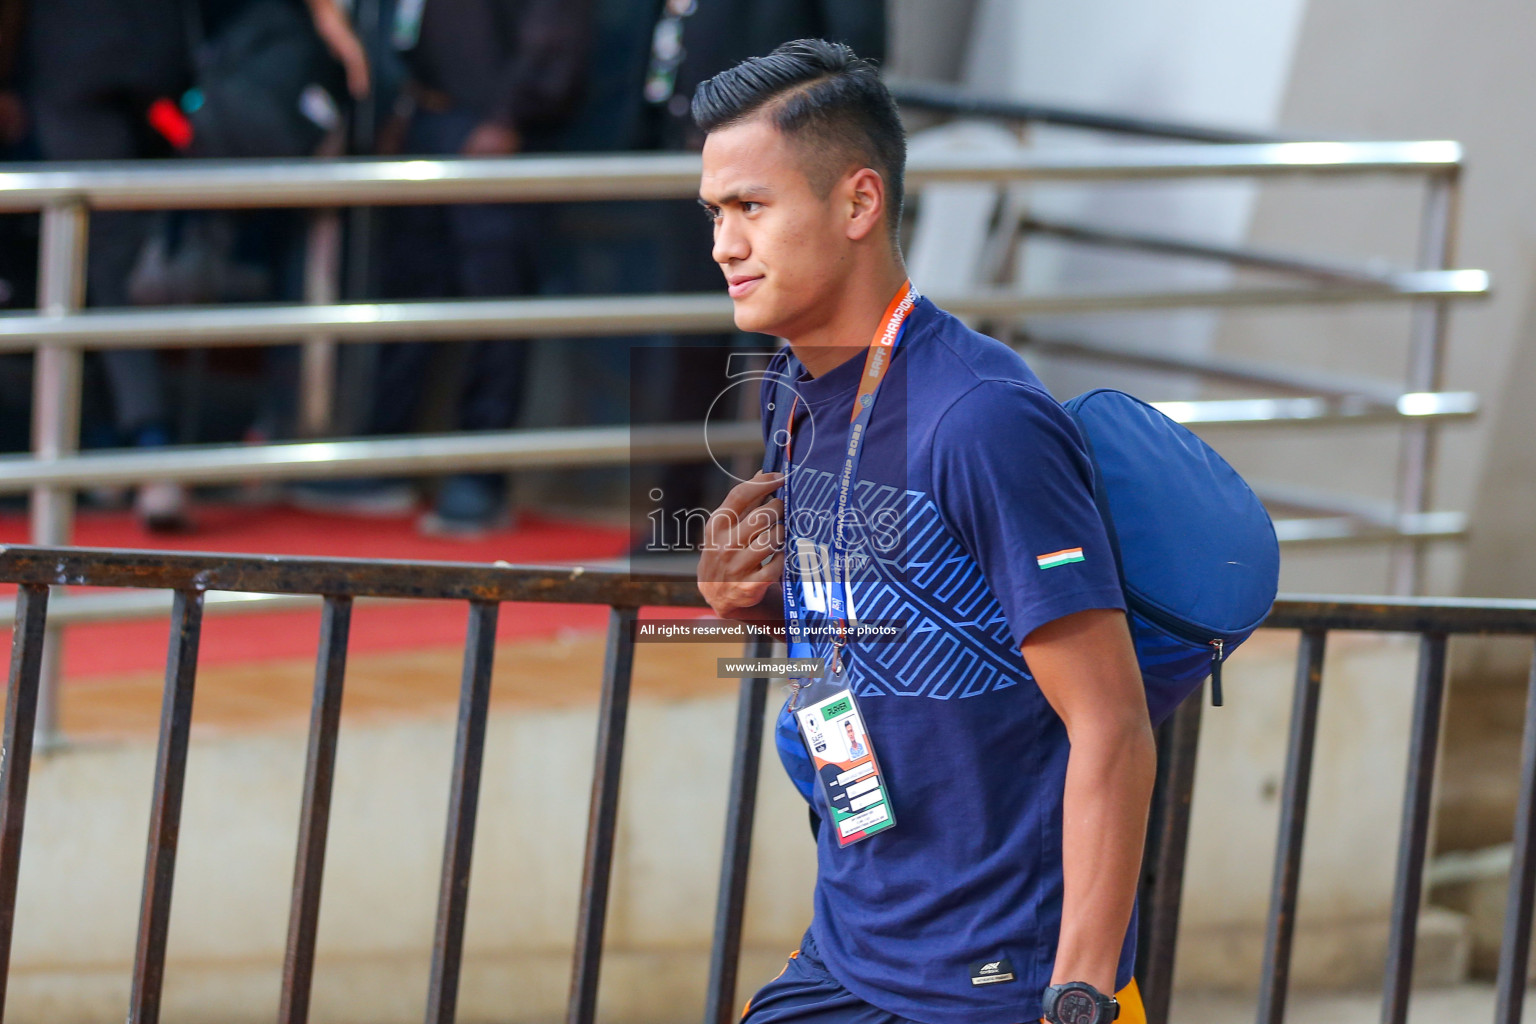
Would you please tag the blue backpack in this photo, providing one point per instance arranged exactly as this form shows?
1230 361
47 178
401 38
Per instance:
1197 553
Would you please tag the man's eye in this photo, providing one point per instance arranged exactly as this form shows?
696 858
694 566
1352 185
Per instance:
751 207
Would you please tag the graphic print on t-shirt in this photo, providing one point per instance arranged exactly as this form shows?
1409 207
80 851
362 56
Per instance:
955 638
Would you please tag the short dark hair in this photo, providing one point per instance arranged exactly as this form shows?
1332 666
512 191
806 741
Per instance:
824 96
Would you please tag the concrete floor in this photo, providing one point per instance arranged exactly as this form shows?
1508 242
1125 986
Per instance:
1462 1004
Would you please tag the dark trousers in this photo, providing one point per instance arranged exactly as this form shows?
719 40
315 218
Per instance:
109 125
97 66
440 252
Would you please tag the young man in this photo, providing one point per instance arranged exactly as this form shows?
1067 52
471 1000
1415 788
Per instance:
1018 786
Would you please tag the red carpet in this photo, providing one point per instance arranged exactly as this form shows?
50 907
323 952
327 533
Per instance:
106 649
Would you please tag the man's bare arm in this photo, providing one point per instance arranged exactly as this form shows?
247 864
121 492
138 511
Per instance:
743 557
335 30
1086 667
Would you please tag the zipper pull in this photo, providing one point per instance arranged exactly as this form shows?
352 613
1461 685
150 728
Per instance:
1218 649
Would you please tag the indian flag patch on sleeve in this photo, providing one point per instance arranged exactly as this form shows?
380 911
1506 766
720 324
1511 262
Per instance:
1066 556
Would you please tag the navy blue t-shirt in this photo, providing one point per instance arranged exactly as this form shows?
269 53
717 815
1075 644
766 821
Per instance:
973 523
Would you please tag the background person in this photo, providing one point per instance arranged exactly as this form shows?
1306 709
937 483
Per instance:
488 78
95 68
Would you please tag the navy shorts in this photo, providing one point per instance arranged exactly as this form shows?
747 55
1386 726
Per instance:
806 993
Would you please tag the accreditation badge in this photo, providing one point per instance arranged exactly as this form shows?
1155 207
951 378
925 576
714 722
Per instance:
844 757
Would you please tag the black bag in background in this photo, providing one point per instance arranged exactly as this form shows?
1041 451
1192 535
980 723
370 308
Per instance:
266 86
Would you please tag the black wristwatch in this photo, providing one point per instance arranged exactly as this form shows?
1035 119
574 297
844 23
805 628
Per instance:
1077 1002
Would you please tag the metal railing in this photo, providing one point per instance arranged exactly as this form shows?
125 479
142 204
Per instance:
192 578
1406 519
1434 621
957 101
62 329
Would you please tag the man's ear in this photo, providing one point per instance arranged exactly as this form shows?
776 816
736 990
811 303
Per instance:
864 190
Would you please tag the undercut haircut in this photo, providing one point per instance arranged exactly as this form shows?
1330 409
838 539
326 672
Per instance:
824 98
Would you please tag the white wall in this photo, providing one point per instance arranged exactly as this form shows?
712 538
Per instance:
1328 68
1202 61
1417 69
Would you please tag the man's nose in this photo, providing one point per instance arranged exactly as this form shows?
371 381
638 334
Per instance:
730 241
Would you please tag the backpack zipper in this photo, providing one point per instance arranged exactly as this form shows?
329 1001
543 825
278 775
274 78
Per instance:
1180 630
1218 649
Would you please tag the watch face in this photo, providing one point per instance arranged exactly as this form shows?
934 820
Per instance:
1075 1006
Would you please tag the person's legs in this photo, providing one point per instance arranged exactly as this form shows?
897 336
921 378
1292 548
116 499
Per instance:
494 253
103 129
417 253
414 255
493 256
106 128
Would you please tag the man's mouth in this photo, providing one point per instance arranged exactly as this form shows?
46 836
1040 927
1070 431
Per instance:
741 284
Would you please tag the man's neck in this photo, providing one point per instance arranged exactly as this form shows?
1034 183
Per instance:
846 333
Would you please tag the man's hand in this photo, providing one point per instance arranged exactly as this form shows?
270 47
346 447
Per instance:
335 30
492 138
743 554
1086 667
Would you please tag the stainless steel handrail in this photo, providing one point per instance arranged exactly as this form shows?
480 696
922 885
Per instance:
61 330
421 454
210 326
373 181
592 446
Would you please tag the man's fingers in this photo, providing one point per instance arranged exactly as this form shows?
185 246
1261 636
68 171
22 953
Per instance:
740 506
770 571
764 516
749 493
762 528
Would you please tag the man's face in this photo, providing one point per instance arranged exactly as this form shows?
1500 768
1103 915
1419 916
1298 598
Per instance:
783 248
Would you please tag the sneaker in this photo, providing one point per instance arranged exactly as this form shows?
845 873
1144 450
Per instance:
162 507
469 506
371 497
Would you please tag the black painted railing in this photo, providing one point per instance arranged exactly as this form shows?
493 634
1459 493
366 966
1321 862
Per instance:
484 588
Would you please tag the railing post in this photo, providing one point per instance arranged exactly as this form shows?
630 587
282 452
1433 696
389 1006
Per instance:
317 362
27 637
740 812
1426 362
165 811
315 818
56 416
1515 949
1162 887
1280 930
463 807
602 816
1413 837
